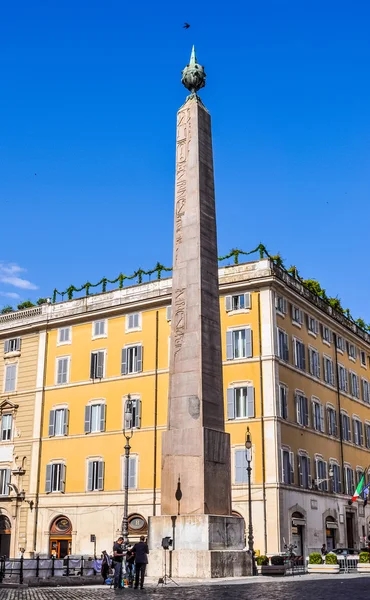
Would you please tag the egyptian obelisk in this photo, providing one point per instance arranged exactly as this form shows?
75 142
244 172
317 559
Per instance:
195 447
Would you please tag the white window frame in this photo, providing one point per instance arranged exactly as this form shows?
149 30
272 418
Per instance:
17 344
331 408
304 454
352 355
234 330
100 402
104 350
365 386
302 419
231 401
284 387
64 342
333 463
65 419
281 305
311 352
295 354
320 427
323 486
129 316
354 377
100 335
343 373
137 363
98 461
57 359
357 431
134 423
247 300
347 491
328 360
312 326
62 471
286 337
291 477
4 416
242 452
327 335
6 478
363 364
340 346
297 316
6 367
367 435
344 413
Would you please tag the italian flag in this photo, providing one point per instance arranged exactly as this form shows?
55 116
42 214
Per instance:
359 488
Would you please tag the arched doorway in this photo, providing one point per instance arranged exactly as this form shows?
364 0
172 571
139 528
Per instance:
5 534
60 537
298 525
331 527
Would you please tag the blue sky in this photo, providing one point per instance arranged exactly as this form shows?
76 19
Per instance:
89 94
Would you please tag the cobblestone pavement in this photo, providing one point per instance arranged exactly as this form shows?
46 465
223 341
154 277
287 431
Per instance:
304 588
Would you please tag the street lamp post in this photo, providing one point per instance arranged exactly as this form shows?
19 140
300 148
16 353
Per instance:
248 455
128 435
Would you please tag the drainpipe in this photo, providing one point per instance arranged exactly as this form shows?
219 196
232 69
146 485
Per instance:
262 428
339 415
155 414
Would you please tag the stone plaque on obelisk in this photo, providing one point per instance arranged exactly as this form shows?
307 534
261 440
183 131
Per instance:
196 480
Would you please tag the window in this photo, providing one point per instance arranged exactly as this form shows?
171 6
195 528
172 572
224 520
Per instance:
312 325
10 378
12 345
238 343
340 343
58 422
346 427
343 378
100 328
358 437
240 402
352 352
304 468
95 475
302 409
354 385
299 354
132 360
349 481
6 427
363 358
135 421
283 401
314 360
359 474
133 321
326 334
55 478
328 370
95 418
317 416
168 313
4 480
132 472
240 462
62 370
297 315
332 421
367 436
321 474
283 345
64 335
287 463
238 302
97 364
365 391
337 484
281 305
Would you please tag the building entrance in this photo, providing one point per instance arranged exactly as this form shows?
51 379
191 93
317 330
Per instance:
61 537
349 528
5 535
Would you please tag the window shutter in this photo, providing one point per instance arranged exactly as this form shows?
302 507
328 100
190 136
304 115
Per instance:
248 343
331 373
100 365
90 468
124 362
355 431
138 413
328 422
6 346
301 317
298 409
303 356
228 303
7 480
169 313
100 475
285 306
87 419
93 361
132 472
282 466
230 403
65 421
286 348
291 462
127 421
349 429
102 417
309 473
239 464
229 345
313 414
18 344
322 424
139 358
48 479
52 423
62 478
247 300
306 417
325 476
250 401
300 476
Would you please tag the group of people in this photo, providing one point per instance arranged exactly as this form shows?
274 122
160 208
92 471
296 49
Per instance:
133 558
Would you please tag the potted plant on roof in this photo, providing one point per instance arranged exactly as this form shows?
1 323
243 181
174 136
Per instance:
317 565
363 565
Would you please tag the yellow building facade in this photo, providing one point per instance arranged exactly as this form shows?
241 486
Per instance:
295 372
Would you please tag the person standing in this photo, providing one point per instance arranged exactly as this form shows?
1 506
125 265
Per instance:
118 559
105 565
141 560
324 550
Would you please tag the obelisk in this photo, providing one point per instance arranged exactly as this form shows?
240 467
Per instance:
195 448
195 481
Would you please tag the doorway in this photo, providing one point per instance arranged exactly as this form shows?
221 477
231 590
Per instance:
60 537
60 547
349 529
298 524
5 535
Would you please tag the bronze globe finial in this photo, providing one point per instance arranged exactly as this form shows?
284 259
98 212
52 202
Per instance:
193 76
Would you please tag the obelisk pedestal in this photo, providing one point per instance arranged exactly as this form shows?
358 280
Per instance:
196 480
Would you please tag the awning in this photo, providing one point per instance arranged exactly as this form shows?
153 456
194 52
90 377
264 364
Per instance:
331 525
298 521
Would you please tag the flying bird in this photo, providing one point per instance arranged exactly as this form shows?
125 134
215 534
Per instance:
186 26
